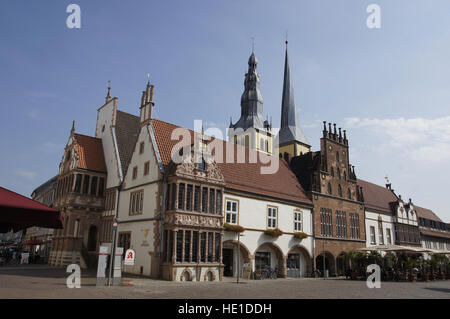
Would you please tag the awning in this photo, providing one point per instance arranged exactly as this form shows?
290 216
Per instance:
32 242
18 212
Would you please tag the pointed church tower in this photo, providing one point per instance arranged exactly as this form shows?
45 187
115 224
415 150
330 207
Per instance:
251 129
290 138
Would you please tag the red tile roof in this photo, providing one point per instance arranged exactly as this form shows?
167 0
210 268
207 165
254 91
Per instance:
377 197
245 176
90 152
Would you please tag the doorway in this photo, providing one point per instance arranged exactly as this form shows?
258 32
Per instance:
227 259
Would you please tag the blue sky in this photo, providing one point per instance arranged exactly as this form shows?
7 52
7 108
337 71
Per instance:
389 87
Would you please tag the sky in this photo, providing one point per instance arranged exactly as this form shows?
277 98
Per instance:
388 87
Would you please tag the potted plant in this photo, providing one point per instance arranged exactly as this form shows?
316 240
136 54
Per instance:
300 235
233 228
273 232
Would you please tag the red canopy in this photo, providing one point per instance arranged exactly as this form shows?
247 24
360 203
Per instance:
19 212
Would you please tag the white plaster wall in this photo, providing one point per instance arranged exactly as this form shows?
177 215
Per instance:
253 214
105 116
142 242
372 220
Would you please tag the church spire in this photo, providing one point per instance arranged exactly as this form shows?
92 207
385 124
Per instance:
290 131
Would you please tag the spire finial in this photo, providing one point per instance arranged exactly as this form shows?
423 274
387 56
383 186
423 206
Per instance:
73 127
108 95
286 39
148 77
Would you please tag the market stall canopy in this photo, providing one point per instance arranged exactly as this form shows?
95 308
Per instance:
18 212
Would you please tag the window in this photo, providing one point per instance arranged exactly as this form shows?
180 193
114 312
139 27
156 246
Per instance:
179 246
202 165
326 222
136 202
94 185
345 176
86 184
141 148
262 259
354 226
135 172
76 227
332 171
197 199
337 156
339 191
211 201
231 211
267 146
146 168
195 246
173 197
349 193
210 247
101 186
298 221
338 173
272 217
219 202
204 199
78 183
124 241
388 236
187 245
380 232
189 198
329 189
372 235
203 247
341 224
181 196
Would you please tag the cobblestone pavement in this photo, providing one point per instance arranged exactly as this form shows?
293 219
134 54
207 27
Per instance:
46 282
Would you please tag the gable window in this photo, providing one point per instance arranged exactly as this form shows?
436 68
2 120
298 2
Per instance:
181 196
339 191
135 172
338 173
372 235
332 171
349 193
136 202
329 188
141 147
337 156
231 211
298 221
146 168
272 217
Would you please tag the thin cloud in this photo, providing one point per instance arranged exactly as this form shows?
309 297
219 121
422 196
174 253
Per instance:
418 138
25 174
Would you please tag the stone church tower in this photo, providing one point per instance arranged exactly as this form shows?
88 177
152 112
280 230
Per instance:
251 129
291 139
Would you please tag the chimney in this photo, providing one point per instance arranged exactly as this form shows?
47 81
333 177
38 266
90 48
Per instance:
325 129
143 99
335 133
340 135
329 130
345 137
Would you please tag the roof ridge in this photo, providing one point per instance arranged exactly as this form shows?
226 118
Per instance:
84 135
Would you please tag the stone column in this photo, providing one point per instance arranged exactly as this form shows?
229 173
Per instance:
221 248
199 251
206 247
214 247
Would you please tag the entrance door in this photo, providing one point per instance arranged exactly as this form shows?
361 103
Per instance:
227 259
293 265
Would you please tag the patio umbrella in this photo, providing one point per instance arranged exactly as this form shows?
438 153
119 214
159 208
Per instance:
18 212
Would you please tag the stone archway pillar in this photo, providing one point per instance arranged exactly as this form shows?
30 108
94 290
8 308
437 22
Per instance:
282 264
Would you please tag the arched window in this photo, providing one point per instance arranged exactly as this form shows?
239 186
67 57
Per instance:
339 173
329 188
349 193
339 191
267 146
337 156
332 171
